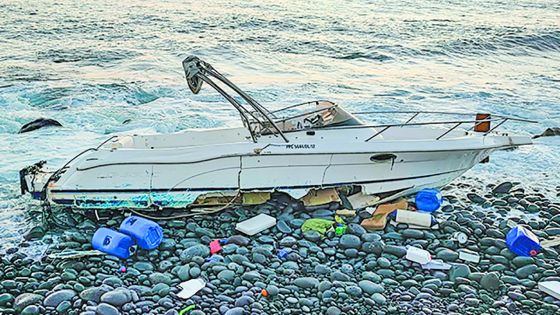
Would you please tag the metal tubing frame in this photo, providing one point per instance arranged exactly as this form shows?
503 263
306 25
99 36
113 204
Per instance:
204 69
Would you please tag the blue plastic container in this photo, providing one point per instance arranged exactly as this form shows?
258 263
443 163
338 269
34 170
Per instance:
113 243
147 234
428 200
523 242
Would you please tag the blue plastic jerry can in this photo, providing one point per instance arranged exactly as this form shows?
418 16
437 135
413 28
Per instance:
523 242
428 200
147 234
113 243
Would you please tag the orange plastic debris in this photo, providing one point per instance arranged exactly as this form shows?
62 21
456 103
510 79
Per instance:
378 219
264 293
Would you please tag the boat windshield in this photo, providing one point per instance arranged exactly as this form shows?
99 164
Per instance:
310 115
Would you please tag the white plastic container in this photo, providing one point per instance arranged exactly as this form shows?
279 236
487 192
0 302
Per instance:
414 218
418 255
256 224
468 255
551 288
189 288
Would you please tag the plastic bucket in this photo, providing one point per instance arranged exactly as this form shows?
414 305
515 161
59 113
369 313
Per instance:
147 234
113 243
523 242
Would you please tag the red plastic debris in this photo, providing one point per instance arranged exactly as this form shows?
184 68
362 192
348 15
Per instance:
215 247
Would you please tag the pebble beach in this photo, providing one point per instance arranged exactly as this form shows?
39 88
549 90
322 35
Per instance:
102 68
359 272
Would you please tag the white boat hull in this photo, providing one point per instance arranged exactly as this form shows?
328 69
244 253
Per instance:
144 178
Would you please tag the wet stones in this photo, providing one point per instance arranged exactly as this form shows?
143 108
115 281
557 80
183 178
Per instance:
476 198
410 233
490 281
107 309
306 282
118 297
447 255
93 294
370 287
525 271
350 241
398 251
58 297
193 251
459 271
502 188
5 299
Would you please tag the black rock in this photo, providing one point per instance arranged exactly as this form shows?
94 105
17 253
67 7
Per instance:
39 123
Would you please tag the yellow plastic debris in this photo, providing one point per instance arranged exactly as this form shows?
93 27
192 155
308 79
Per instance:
361 200
379 218
346 213
320 197
255 198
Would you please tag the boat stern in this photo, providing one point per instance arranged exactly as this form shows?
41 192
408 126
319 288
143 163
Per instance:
33 178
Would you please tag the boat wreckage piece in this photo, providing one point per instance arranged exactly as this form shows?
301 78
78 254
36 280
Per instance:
315 151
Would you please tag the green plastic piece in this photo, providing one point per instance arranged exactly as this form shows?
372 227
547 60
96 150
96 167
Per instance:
340 230
187 309
319 225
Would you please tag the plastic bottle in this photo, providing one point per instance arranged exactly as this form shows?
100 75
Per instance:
418 255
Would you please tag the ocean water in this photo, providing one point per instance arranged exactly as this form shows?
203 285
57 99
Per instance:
94 64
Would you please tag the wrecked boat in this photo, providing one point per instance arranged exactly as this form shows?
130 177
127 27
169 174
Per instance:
299 150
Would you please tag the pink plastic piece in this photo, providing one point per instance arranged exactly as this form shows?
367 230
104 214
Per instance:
122 269
215 247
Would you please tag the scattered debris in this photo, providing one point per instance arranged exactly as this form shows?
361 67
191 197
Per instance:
316 197
428 199
189 288
256 224
113 243
147 234
187 309
437 264
553 242
361 200
468 255
255 198
379 218
215 247
346 213
317 224
551 288
340 229
283 253
75 254
38 124
522 242
549 132
418 255
460 237
413 218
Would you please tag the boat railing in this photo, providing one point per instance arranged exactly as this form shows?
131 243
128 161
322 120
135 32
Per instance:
499 120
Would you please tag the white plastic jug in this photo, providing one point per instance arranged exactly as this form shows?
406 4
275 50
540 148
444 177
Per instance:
189 288
414 217
418 255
